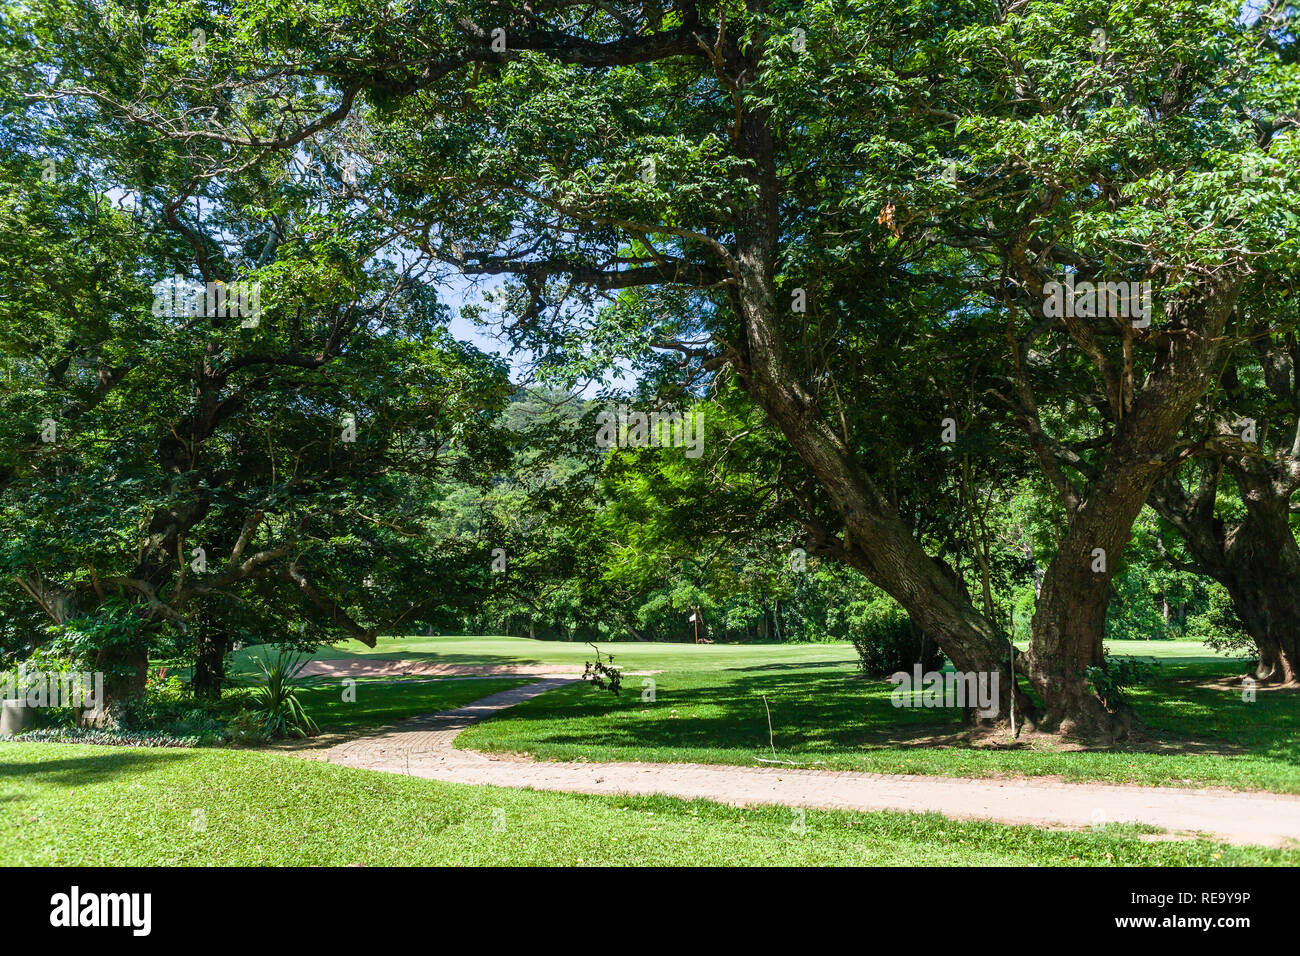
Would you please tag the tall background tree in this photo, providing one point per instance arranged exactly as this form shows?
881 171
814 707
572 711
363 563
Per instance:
184 476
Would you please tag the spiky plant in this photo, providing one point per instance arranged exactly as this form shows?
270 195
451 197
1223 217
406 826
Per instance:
275 696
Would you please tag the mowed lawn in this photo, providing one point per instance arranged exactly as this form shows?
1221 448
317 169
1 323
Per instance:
83 805
708 707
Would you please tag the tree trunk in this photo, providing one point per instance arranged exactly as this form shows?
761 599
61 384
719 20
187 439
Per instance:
877 542
1270 612
1067 630
212 646
1260 569
1256 559
126 670
1069 623
1262 564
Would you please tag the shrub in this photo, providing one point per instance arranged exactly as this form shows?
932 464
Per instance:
275 696
1115 673
246 727
47 661
886 639
162 704
1218 627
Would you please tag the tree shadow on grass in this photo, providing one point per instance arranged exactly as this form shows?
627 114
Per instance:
814 713
92 768
810 712
792 666
1001 740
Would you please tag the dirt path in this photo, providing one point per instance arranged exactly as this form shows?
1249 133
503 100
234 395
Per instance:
350 667
422 747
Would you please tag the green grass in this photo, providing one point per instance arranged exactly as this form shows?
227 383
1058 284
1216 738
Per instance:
87 806
380 703
709 709
632 655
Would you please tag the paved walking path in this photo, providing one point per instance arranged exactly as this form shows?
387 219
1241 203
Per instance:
422 747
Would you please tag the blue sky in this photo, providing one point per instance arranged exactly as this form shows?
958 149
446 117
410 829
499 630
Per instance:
457 291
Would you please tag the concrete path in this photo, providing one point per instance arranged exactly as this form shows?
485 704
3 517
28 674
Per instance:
422 747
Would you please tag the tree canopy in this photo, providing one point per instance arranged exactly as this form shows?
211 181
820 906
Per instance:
959 289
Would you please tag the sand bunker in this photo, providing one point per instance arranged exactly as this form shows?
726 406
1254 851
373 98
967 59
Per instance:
353 667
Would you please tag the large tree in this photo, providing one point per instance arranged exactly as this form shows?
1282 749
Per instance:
180 466
1130 144
699 178
1233 503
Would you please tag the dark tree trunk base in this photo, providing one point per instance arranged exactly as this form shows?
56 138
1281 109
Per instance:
126 670
1279 657
210 664
1086 719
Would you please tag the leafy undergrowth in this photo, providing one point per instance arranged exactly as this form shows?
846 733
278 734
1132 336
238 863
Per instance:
336 709
78 805
102 738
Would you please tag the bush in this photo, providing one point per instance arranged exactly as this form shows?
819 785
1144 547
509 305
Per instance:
47 661
886 639
247 727
167 714
1115 673
275 696
1218 626
164 700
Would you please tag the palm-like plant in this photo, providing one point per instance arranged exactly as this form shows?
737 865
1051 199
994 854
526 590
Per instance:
275 695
